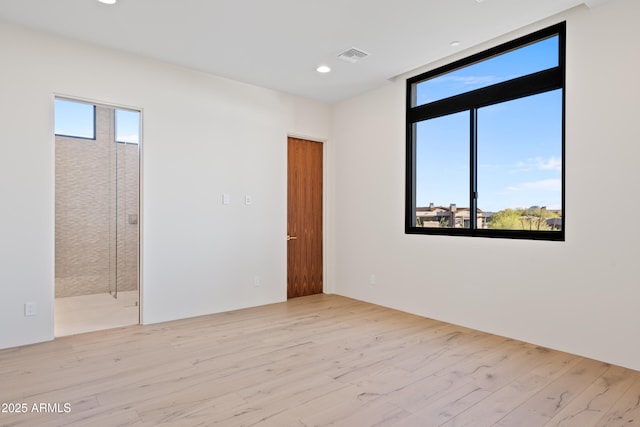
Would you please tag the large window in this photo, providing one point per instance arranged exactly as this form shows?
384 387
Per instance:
485 143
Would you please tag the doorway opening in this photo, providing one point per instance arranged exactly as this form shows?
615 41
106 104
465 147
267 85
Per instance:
304 217
97 204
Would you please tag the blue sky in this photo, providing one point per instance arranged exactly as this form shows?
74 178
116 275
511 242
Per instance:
76 119
519 142
128 126
73 118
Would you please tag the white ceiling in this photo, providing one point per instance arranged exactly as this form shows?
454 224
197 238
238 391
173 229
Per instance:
279 43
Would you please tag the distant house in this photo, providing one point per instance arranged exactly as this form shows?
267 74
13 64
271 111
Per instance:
450 217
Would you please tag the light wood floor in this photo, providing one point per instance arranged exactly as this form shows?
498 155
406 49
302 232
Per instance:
320 360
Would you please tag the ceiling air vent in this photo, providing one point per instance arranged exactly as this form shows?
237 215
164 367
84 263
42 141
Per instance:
353 55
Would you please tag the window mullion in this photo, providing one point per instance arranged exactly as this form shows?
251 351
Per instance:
473 167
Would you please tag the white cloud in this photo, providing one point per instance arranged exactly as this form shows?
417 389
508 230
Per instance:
538 163
468 80
544 185
128 138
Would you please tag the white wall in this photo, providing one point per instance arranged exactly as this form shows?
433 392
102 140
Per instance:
582 295
203 136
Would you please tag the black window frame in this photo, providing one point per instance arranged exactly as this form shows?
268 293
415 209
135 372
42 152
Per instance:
517 88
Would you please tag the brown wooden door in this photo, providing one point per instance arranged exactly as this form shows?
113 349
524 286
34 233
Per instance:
304 216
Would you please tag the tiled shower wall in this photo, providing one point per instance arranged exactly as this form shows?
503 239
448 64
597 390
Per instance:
97 184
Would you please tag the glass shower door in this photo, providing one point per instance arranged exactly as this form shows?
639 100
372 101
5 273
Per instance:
125 203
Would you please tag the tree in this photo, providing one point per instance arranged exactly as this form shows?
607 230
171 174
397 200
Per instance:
532 219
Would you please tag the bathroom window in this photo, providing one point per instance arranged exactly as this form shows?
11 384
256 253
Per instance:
127 126
74 119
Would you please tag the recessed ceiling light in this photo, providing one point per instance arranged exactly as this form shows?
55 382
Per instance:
323 69
108 1
455 43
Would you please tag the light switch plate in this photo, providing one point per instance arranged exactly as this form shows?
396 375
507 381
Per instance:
30 309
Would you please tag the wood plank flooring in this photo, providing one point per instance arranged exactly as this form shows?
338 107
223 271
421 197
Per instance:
312 361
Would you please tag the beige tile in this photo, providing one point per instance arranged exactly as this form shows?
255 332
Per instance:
87 313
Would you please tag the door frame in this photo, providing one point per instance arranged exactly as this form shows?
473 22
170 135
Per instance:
141 146
327 284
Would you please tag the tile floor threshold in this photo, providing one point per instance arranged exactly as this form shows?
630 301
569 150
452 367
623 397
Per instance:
88 313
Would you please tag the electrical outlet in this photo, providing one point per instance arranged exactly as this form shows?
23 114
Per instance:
372 279
256 282
30 309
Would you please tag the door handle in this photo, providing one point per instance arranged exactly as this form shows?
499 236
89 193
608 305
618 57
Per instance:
291 237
